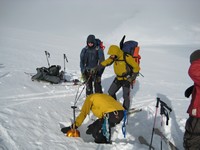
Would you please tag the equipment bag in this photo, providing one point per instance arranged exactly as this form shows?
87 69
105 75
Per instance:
50 74
100 44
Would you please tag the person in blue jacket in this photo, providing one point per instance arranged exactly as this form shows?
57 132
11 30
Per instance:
90 58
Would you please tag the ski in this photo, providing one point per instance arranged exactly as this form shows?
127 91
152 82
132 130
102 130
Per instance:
62 83
134 110
5 74
142 140
166 140
29 74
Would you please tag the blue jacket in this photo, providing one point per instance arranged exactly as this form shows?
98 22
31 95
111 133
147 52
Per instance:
91 58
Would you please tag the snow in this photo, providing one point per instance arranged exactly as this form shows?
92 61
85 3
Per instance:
31 113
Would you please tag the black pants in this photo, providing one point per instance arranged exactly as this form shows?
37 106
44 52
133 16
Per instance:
96 128
93 79
115 86
191 139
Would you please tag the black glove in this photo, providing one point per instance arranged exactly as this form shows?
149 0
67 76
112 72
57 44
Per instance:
66 129
188 91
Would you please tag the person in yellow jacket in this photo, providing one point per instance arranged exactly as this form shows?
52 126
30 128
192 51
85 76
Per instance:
125 74
104 107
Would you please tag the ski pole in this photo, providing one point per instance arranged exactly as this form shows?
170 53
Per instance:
163 111
78 96
47 56
141 74
65 59
157 104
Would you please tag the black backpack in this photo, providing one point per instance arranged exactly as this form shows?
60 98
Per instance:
100 44
131 47
51 74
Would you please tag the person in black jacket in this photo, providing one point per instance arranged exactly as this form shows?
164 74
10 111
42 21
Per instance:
90 58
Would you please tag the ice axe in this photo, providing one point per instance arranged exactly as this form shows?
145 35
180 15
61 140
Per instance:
73 132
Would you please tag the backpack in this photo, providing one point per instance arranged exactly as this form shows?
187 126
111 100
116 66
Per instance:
51 74
54 70
100 44
131 47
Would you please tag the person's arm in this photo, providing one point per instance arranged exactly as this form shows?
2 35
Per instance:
84 111
82 62
109 61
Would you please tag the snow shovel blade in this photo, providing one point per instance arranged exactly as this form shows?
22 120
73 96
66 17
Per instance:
73 133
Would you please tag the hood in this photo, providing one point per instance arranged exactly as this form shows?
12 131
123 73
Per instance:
115 50
195 56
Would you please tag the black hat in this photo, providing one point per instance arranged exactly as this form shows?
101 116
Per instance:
195 55
91 39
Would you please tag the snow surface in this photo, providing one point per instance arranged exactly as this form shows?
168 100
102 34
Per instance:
32 113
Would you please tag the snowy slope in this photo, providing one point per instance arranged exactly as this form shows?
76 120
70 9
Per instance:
32 113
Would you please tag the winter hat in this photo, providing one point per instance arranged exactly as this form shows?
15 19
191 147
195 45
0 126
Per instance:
91 39
195 55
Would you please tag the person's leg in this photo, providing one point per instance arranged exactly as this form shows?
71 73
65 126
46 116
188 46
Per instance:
96 130
126 94
115 86
192 134
97 85
115 117
89 80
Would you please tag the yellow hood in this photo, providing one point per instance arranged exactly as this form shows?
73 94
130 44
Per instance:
115 50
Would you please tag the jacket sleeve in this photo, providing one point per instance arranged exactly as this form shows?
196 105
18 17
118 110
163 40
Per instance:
82 62
107 62
101 59
84 111
130 60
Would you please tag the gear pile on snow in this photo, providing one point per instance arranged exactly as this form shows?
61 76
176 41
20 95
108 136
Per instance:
52 73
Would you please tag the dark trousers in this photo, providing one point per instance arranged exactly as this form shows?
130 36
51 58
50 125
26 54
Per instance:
115 86
191 139
96 128
95 81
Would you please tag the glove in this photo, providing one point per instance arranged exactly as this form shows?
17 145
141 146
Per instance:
93 70
83 76
98 79
133 77
66 129
188 91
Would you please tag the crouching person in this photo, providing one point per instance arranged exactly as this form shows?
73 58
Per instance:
108 111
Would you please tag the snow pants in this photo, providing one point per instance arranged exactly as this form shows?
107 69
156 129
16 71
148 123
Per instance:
96 128
191 139
115 86
93 79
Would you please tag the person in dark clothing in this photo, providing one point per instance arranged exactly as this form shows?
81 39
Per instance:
192 127
90 58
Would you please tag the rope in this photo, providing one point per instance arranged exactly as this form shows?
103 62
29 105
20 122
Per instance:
105 128
124 124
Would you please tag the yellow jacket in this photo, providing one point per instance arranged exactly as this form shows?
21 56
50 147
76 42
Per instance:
99 104
120 66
